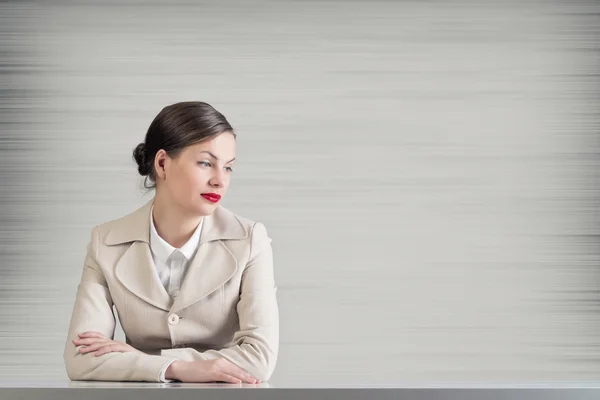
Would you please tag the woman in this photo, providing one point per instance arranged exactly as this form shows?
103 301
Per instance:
192 282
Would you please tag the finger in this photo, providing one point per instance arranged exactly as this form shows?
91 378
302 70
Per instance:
88 341
92 334
111 348
94 347
239 373
223 377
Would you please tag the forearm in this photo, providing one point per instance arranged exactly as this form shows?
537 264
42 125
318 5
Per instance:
254 358
257 357
129 366
260 370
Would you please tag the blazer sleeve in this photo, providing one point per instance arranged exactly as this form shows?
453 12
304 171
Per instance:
257 341
93 311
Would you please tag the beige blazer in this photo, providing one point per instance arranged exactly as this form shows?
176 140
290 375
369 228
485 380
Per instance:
226 307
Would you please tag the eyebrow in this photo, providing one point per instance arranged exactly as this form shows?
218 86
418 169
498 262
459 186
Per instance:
215 157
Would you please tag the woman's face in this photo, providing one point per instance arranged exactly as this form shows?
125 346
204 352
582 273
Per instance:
198 178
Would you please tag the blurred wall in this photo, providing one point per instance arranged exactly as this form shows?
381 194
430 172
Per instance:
428 172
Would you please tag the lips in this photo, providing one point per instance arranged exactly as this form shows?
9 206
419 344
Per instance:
212 197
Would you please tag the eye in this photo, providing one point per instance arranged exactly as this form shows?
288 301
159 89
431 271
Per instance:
204 163
229 169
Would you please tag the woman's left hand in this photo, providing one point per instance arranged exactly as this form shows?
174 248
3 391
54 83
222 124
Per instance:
100 344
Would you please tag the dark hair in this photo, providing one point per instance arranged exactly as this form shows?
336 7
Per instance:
176 127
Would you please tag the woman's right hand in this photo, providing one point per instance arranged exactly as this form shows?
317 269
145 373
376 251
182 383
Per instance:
217 370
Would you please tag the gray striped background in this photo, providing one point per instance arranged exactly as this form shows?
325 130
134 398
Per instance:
428 171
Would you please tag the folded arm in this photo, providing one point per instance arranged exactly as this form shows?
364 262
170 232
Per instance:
93 312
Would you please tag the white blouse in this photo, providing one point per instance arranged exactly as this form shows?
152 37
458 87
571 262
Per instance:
171 264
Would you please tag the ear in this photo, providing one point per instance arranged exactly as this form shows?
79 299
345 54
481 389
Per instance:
160 164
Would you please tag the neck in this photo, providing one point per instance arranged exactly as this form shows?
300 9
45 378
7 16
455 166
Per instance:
173 223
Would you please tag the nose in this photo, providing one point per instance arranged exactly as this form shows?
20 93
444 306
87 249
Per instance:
217 180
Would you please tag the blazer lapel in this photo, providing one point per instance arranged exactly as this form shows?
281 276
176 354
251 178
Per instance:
212 265
136 271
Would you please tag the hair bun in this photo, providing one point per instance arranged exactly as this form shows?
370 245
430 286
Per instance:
140 157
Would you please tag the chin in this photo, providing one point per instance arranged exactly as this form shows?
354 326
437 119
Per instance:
206 209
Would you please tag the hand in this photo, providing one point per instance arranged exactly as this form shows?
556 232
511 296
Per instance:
100 344
218 370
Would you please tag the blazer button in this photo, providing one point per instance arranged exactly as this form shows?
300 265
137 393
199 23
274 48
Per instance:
173 319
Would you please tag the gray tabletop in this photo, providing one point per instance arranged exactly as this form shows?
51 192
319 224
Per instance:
148 391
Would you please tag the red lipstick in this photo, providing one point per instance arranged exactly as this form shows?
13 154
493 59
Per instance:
212 197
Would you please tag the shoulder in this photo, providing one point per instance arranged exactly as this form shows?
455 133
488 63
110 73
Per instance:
230 218
130 227
255 239
252 231
244 221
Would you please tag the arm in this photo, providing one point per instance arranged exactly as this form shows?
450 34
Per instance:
257 341
93 312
